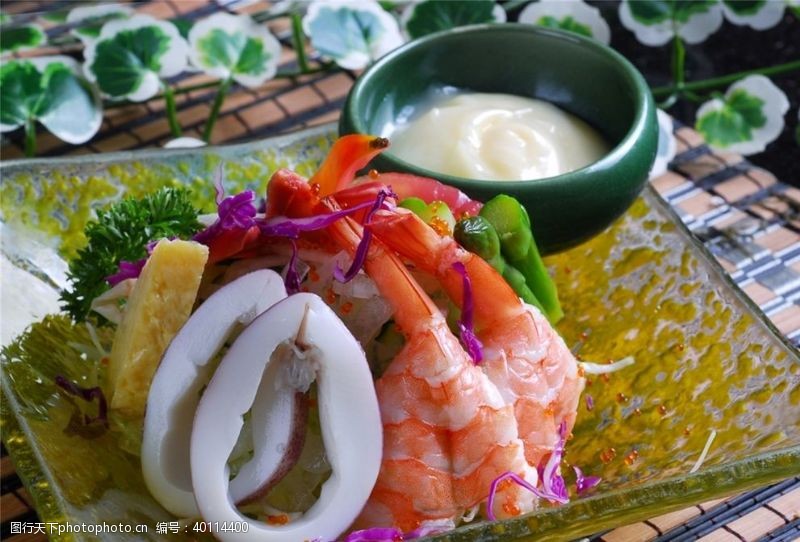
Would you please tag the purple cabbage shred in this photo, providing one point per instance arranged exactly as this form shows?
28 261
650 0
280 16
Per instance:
584 483
233 213
292 278
552 481
89 395
363 245
589 402
376 534
519 480
465 325
127 270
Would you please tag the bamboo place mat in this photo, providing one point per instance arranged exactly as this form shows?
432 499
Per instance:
748 219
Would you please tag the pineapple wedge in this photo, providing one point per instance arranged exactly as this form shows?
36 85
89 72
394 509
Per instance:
159 305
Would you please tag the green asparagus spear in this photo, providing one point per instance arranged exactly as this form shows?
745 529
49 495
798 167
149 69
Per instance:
513 226
478 236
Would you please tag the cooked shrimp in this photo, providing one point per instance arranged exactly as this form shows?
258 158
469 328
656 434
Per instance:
524 356
447 430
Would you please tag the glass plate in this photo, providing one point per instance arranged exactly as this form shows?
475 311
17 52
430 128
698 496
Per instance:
706 358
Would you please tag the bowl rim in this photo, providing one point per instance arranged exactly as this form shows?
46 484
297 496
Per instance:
644 106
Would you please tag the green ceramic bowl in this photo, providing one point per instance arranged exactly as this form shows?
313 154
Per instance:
577 74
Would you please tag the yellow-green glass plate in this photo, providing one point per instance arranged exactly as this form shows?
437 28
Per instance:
707 360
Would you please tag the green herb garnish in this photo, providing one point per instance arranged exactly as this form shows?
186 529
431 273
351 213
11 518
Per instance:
121 233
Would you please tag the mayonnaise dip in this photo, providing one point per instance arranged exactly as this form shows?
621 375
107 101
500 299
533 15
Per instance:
497 137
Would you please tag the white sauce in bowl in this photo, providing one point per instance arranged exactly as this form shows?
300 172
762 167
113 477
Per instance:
497 137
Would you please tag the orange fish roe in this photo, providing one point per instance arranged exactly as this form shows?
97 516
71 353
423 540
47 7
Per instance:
662 409
330 296
373 174
315 188
687 431
347 307
680 347
631 458
584 336
280 519
312 274
608 455
581 371
622 398
637 411
605 377
440 226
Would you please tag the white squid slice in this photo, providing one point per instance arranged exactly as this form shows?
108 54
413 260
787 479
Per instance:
348 409
179 380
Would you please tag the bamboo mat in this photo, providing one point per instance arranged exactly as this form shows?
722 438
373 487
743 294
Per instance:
748 219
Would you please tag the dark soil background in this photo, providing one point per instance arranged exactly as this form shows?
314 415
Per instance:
731 49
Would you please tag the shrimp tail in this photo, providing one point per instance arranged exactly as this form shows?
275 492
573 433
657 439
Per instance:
349 154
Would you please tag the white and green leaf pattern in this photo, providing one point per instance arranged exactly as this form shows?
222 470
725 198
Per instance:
19 38
90 19
429 16
226 46
52 91
129 57
747 118
578 17
757 14
352 33
655 22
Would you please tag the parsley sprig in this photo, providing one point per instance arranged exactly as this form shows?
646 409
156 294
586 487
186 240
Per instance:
121 233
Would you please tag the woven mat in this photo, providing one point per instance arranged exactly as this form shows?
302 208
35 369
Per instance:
748 219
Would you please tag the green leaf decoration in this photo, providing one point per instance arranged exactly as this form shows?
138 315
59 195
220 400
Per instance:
650 12
655 22
733 122
122 62
747 118
744 7
183 26
757 14
50 90
20 91
21 37
567 23
93 25
89 20
129 58
434 15
229 46
351 34
575 16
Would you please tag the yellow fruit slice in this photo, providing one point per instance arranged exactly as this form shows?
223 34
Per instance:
159 305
